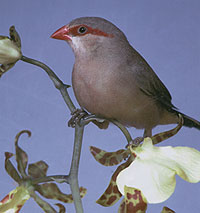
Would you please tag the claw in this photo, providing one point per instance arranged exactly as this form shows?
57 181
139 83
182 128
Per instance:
77 115
80 115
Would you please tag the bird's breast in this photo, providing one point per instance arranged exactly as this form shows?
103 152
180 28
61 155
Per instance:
92 87
112 92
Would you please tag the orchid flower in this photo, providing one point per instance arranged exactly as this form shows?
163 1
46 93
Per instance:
10 50
28 183
154 169
148 175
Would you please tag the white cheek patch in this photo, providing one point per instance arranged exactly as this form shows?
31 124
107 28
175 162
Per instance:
77 44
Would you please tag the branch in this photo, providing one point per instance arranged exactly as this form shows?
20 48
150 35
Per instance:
57 82
73 176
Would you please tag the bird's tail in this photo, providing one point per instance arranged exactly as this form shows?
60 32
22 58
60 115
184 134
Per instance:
190 122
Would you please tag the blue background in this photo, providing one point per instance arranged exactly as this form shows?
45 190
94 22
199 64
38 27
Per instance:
166 33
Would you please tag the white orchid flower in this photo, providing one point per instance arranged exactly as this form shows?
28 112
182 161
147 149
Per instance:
154 169
9 52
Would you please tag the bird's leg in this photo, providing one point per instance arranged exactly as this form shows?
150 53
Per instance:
147 133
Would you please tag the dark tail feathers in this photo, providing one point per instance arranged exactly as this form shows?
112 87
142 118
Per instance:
190 122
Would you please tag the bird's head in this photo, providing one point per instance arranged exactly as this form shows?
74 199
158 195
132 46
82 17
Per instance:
87 34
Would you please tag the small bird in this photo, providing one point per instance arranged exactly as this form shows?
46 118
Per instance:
112 80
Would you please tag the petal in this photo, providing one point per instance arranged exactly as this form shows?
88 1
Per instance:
51 191
109 158
167 210
156 182
43 204
112 194
184 160
10 169
21 155
38 169
14 201
134 200
61 208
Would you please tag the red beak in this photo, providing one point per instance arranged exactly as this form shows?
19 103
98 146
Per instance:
62 33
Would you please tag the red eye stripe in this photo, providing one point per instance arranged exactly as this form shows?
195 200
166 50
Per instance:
74 31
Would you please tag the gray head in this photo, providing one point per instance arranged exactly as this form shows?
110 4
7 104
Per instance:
86 34
98 23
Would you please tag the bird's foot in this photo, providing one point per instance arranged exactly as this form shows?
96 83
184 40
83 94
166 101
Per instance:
81 116
77 116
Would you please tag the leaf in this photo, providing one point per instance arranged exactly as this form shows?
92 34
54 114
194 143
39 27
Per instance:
21 156
10 169
51 191
109 158
112 194
134 201
38 169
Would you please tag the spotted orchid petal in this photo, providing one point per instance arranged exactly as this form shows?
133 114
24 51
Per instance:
154 168
167 210
14 201
112 194
109 158
134 201
51 191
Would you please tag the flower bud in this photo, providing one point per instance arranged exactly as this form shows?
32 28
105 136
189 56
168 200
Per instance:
9 52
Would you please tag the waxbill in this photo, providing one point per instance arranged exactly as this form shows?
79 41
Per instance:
112 80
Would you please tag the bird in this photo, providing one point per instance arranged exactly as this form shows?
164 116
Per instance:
112 80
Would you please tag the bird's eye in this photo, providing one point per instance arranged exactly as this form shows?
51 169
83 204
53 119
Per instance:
82 30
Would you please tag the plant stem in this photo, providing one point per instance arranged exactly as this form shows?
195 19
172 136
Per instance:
57 82
73 176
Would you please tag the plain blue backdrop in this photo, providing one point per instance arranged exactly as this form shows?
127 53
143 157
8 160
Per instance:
165 32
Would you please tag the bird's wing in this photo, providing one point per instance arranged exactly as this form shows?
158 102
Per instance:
151 85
